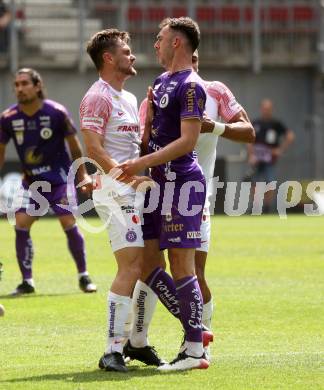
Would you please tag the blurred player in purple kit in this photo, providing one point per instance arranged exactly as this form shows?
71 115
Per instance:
179 101
39 128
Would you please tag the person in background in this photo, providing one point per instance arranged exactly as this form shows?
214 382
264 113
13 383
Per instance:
40 129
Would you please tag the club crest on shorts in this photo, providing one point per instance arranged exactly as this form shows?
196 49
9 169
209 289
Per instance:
131 236
46 133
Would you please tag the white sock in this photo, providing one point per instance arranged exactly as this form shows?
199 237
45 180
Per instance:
128 324
118 309
86 273
30 282
207 313
194 349
144 302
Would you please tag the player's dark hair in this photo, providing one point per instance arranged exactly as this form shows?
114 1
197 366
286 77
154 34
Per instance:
35 78
105 40
187 26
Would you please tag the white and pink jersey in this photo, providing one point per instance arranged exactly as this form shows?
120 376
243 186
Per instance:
114 115
220 103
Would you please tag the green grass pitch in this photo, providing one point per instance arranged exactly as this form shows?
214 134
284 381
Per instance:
267 278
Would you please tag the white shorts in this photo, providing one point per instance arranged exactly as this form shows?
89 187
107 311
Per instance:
205 230
121 211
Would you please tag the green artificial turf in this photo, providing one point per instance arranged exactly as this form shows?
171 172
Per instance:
267 278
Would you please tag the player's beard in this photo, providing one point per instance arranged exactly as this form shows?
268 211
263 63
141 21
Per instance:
23 99
128 71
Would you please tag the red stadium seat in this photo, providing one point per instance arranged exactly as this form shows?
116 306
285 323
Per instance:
156 13
303 14
278 14
205 14
230 14
135 14
179 11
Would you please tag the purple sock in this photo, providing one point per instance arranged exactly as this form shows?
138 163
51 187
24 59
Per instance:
24 252
76 246
191 306
163 286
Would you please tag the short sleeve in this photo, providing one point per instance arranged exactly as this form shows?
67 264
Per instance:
4 134
192 99
228 106
95 111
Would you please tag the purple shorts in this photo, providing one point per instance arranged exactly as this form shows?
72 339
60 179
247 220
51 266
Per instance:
173 212
34 205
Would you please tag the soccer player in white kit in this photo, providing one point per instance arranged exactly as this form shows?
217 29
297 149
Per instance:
236 126
110 124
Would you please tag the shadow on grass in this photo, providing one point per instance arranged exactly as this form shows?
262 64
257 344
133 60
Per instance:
94 376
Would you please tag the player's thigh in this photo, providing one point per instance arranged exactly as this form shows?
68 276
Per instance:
129 262
182 262
24 221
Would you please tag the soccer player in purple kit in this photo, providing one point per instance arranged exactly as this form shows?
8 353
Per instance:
179 102
39 128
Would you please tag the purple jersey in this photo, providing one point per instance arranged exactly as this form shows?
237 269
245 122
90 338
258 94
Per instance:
177 96
39 140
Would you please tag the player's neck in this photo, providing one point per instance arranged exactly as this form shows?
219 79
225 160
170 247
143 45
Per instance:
31 108
114 79
180 62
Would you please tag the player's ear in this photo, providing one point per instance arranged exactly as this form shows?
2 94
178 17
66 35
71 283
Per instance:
107 57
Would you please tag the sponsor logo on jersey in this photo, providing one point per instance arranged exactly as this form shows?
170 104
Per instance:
46 133
168 217
190 94
17 122
128 128
45 121
131 236
154 146
193 234
39 170
19 137
154 132
31 159
31 125
201 103
92 121
164 101
120 113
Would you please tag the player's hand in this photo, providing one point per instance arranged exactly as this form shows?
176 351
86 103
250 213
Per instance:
149 107
86 185
207 126
142 183
132 167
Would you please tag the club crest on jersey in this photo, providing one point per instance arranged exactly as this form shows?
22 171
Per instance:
46 133
164 100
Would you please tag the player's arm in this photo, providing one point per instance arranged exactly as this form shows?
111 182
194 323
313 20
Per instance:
76 153
95 150
190 130
2 154
238 129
